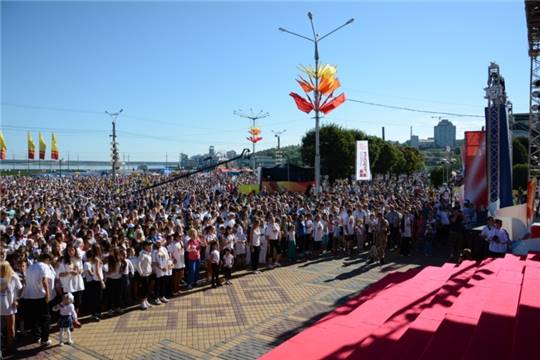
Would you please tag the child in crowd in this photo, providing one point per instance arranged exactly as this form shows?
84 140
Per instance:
214 263
291 240
228 261
68 316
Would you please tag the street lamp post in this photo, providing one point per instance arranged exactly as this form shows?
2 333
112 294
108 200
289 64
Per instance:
277 134
114 144
315 40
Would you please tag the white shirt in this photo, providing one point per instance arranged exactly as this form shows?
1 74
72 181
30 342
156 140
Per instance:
319 231
228 242
228 260
160 258
498 241
66 310
34 281
309 227
92 272
8 294
176 250
145 263
214 257
256 238
71 283
272 231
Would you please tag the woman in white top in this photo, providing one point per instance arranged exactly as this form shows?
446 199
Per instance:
239 246
95 282
144 268
10 287
70 272
257 234
161 269
176 252
116 268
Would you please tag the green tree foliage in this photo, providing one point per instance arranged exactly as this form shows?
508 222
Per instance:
336 148
338 153
520 151
519 176
437 176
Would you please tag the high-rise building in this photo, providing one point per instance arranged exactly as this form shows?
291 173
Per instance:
445 134
211 151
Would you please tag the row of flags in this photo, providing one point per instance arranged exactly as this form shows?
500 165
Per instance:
32 147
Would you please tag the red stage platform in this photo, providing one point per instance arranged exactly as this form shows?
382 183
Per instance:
477 310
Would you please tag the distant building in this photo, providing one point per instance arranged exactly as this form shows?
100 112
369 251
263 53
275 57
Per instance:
415 141
445 134
230 154
211 151
428 143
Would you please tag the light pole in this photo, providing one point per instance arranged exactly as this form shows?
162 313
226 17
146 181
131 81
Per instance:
315 40
253 117
277 134
114 144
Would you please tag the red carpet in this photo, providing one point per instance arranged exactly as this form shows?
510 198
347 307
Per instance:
477 310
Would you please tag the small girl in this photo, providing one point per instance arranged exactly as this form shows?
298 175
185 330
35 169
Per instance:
214 263
291 239
67 317
228 260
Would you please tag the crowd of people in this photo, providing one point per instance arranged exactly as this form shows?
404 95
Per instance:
88 245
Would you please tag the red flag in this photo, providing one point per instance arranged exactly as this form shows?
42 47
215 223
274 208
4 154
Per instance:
301 103
306 86
337 101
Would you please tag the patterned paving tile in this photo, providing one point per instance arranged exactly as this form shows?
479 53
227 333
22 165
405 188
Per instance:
241 321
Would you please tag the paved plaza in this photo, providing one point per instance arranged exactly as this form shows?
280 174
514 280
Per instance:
241 321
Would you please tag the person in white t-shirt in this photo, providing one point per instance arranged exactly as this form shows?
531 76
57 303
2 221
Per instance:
37 294
318 233
239 246
498 240
144 268
70 272
161 267
228 261
213 257
176 252
68 316
272 233
10 287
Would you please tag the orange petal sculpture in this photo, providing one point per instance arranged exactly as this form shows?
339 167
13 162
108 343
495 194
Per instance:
327 84
254 132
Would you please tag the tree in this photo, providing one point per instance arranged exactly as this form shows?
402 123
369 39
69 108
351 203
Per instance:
337 149
520 151
437 176
519 176
388 159
413 160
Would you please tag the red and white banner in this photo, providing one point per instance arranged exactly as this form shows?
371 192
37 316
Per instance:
475 179
363 171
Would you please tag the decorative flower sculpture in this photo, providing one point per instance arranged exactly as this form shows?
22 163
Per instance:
254 132
323 100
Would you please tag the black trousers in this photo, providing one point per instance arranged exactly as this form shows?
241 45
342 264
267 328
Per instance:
114 291
38 317
215 274
405 247
255 257
227 272
93 297
144 290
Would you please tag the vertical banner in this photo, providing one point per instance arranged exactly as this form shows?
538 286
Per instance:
54 148
363 171
31 147
42 147
531 195
475 180
3 147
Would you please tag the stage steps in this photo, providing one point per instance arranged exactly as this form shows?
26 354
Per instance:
475 310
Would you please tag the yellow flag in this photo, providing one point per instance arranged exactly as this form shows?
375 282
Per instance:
54 148
3 147
31 147
42 147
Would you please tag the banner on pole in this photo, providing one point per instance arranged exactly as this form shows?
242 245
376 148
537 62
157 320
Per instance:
31 147
363 171
42 147
475 179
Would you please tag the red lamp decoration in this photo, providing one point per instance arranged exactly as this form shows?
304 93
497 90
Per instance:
323 99
254 132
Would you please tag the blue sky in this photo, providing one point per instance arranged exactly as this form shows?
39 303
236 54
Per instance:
179 69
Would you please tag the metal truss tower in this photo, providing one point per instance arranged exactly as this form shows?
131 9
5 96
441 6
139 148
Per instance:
498 140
